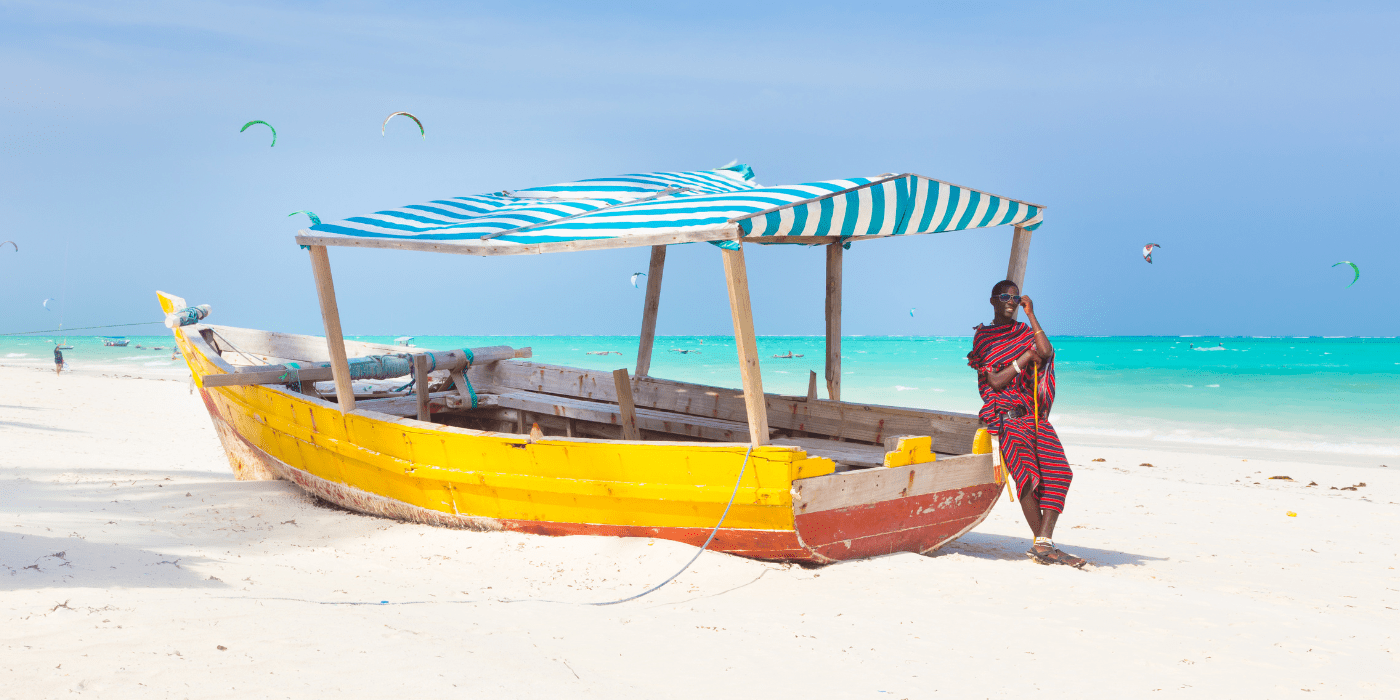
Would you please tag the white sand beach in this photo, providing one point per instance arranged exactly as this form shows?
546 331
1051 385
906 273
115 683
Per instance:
132 564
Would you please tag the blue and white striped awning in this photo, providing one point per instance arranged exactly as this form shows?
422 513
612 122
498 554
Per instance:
718 206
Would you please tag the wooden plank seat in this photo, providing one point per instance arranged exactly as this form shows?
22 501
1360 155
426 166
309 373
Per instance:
952 432
611 414
850 454
650 420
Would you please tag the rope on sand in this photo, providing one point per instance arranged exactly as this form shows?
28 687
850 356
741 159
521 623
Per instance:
653 589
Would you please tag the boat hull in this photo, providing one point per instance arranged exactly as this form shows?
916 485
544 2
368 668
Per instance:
919 523
788 506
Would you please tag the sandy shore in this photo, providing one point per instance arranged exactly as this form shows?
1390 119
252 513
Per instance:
133 565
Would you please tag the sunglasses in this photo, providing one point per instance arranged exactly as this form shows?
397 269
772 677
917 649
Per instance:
1008 297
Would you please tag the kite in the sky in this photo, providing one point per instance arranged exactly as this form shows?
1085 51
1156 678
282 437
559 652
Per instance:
911 313
16 245
315 220
46 304
1147 251
1356 270
259 121
421 130
635 275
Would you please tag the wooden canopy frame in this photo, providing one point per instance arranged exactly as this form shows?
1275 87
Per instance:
737 282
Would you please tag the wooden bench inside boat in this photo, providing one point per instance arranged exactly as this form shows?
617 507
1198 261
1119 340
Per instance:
567 401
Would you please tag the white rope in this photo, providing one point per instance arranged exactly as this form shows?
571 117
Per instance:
702 547
653 589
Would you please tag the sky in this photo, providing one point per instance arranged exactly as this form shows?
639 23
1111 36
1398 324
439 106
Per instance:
1255 142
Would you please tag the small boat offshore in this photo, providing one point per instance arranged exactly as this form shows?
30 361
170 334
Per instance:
488 439
115 341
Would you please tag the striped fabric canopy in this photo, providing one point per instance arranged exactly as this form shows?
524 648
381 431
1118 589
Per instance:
719 206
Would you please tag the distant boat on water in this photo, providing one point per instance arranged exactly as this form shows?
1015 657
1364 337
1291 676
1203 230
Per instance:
115 341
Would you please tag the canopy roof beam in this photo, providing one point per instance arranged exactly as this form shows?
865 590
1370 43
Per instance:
718 232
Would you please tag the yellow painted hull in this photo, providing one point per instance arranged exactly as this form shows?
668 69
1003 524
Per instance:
443 475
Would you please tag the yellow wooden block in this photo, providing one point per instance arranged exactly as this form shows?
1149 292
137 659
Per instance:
812 466
982 442
911 450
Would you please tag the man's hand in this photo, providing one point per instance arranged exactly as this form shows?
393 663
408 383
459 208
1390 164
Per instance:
1026 304
1028 358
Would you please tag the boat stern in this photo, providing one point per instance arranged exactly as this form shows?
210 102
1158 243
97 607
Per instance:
913 508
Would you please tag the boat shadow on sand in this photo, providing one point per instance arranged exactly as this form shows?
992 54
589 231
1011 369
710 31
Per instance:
1004 547
40 561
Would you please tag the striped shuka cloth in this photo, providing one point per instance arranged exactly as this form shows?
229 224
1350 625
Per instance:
1034 456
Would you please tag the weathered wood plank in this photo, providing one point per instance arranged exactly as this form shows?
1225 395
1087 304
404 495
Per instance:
866 486
281 374
649 310
736 277
407 406
812 386
628 408
330 316
853 453
952 432
586 411
289 346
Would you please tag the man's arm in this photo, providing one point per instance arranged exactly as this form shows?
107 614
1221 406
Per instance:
1000 378
1042 342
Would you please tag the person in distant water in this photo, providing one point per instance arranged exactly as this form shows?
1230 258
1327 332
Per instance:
57 359
1008 355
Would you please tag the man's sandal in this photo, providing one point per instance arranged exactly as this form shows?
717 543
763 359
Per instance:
1050 555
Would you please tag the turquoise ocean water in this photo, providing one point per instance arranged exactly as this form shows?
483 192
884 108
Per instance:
1335 398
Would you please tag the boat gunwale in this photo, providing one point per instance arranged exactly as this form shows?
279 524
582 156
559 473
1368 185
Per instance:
202 346
364 408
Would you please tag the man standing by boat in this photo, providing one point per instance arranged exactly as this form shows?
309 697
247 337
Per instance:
1016 378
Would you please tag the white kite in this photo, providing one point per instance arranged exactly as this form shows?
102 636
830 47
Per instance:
635 275
421 130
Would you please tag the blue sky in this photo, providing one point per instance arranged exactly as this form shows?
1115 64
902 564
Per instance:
1256 142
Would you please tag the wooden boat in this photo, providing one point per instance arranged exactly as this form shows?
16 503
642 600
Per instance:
517 445
115 342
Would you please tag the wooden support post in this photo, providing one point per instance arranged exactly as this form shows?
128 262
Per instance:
736 276
330 316
833 320
420 386
812 386
459 380
1020 252
623 384
653 302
